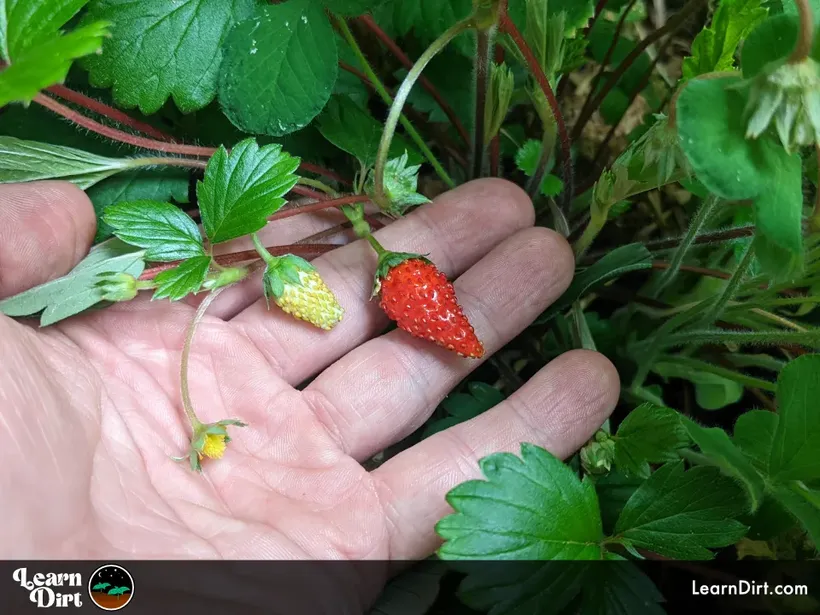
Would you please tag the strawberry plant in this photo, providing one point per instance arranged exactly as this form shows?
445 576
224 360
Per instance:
674 144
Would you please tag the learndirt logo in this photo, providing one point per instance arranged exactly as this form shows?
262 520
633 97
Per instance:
110 587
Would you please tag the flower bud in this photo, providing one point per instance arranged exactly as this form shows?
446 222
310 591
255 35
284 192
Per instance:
117 286
598 454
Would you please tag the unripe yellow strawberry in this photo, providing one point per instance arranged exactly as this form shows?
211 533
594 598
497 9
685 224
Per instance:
297 288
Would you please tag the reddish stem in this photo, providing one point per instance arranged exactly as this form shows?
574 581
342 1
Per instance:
151 144
402 57
319 206
309 192
509 27
303 250
110 112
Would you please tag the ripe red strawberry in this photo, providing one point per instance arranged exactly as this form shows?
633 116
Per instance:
423 302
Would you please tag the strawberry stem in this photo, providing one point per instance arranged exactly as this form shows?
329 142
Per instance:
263 251
379 248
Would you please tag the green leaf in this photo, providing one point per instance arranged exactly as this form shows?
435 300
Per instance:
648 434
621 260
532 507
600 37
279 69
797 437
715 444
713 137
411 593
243 188
47 63
452 75
164 184
682 514
620 589
355 131
181 281
76 291
714 47
614 490
804 504
754 435
28 161
527 159
162 49
351 8
771 41
712 392
165 231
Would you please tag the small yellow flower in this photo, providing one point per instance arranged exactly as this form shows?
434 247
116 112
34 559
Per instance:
214 446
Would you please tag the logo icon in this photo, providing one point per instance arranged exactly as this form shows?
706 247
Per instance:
111 587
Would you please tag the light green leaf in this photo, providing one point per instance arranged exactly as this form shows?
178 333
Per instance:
714 47
712 392
754 435
279 69
161 49
355 131
527 159
648 434
163 184
181 281
716 445
533 507
682 514
243 188
28 161
47 63
713 137
166 232
797 437
804 504
621 260
77 290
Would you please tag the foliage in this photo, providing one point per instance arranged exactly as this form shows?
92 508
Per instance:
686 185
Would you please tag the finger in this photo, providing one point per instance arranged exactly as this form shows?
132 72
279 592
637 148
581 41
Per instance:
457 229
47 228
559 409
386 389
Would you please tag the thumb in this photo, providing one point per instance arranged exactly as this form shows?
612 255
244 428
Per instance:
45 229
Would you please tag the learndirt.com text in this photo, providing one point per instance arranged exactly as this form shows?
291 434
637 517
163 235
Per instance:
748 588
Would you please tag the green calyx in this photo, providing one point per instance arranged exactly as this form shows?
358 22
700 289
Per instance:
199 440
788 96
388 260
281 270
400 186
599 454
118 287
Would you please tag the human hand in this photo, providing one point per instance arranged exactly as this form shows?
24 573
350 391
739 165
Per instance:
90 412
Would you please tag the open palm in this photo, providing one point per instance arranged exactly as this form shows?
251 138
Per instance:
90 412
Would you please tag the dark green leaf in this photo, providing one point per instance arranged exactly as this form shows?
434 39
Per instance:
769 520
411 593
620 589
27 161
527 159
152 185
754 435
621 260
797 437
714 47
181 281
716 445
804 504
452 75
355 131
533 507
37 52
166 232
648 434
463 407
770 41
600 38
279 69
682 514
614 490
76 291
162 49
243 188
